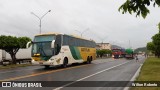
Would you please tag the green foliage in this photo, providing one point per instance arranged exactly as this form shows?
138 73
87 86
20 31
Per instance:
156 42
159 27
108 52
140 7
23 41
12 44
154 46
150 46
103 52
9 42
150 71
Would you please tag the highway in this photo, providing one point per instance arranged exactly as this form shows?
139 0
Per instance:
99 70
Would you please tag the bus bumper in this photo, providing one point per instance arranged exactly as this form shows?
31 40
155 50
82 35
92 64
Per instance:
42 62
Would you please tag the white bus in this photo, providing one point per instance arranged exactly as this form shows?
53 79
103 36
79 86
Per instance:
61 49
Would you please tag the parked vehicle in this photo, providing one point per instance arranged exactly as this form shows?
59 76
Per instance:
6 62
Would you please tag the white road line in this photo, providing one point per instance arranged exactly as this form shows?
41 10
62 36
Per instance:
89 76
102 62
35 68
134 76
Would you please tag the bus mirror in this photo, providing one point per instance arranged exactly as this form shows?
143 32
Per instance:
52 44
28 44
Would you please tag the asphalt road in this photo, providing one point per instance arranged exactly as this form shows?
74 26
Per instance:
99 70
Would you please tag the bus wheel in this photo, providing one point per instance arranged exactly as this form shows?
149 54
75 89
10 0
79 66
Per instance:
65 62
47 66
88 60
91 59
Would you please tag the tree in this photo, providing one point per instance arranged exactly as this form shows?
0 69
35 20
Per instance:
154 46
12 44
108 51
150 46
140 7
159 27
103 52
100 53
156 42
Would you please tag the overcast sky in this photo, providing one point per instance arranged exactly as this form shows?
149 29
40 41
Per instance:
100 18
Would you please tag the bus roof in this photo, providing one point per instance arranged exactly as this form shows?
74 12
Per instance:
50 33
54 33
75 36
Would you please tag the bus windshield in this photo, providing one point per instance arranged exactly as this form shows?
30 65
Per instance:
44 38
42 46
116 50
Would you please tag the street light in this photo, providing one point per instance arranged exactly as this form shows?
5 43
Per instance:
82 31
40 18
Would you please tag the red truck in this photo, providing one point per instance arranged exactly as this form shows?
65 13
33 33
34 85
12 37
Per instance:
117 53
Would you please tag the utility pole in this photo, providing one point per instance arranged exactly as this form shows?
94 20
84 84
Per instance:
40 19
81 33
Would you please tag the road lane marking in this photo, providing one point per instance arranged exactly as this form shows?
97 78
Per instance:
137 72
134 77
42 73
90 76
100 62
39 68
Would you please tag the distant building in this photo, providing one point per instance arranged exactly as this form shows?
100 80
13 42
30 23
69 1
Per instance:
100 46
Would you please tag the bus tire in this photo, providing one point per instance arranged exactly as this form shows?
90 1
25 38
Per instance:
91 59
47 66
88 60
65 62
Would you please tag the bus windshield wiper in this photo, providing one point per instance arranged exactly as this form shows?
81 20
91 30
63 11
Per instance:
41 50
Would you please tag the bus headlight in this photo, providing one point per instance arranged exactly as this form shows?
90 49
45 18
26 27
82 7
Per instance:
51 59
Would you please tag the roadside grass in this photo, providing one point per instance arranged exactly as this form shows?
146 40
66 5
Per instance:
150 71
14 66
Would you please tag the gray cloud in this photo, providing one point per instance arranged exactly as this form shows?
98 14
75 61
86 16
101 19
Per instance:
100 16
